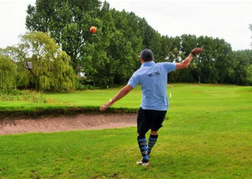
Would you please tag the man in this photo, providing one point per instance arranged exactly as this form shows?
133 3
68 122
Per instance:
153 79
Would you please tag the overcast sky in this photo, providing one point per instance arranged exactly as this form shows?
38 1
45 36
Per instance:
228 20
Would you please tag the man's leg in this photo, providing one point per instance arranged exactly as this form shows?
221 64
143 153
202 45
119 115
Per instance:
142 128
152 140
155 119
142 143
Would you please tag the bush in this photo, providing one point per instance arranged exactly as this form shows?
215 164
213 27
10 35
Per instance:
84 84
31 96
84 87
13 92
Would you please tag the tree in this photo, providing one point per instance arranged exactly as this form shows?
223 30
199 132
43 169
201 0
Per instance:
7 73
223 56
125 45
241 65
68 21
187 43
121 64
110 56
172 53
249 75
41 64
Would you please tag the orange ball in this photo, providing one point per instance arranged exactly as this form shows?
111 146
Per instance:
93 29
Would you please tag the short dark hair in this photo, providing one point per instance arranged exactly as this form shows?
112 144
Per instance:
146 55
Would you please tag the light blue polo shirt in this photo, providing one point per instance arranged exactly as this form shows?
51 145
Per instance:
153 79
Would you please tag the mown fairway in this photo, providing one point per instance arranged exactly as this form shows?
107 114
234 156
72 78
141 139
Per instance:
207 134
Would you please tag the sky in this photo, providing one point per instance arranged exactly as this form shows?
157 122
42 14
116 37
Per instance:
228 20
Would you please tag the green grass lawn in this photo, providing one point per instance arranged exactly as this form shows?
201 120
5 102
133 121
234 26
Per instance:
207 134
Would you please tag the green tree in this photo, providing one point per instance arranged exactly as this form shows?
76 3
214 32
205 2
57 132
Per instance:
68 21
187 43
95 57
110 56
8 73
207 62
241 65
171 47
41 64
222 55
249 75
125 46
121 64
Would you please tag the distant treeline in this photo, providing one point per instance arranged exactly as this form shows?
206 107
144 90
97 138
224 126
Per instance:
110 56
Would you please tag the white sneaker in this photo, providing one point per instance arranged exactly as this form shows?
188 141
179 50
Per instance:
143 163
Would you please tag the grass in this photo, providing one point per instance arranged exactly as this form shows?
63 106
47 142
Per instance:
207 134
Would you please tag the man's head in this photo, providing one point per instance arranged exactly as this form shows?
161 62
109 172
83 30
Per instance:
146 55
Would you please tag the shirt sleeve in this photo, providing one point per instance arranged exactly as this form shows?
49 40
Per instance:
133 81
169 66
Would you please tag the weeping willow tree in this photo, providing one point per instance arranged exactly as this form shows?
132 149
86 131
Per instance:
7 73
42 64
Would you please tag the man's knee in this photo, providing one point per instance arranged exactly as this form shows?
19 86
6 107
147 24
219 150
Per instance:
154 132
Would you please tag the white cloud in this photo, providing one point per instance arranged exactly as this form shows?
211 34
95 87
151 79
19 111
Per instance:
12 20
228 20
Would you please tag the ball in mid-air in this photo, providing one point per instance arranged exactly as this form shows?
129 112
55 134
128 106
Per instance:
93 29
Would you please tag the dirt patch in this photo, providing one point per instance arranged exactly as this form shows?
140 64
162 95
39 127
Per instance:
66 123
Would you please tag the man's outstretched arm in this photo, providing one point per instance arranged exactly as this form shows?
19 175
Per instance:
185 63
123 92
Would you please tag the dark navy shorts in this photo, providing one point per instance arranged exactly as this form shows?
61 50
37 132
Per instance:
149 119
